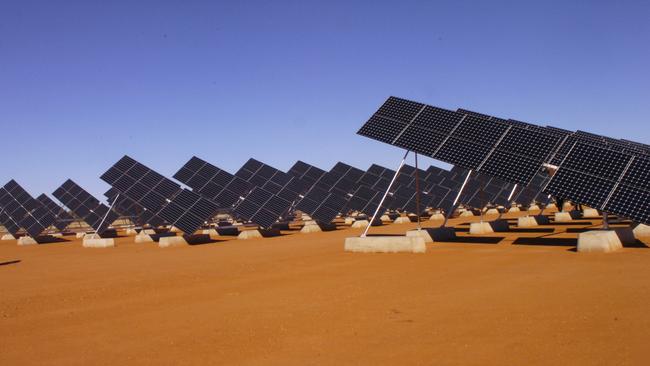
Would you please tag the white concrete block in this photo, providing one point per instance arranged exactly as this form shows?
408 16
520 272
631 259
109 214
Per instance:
131 232
551 206
313 228
249 234
562 217
514 209
213 233
492 211
349 220
143 238
310 222
91 241
437 217
402 220
385 218
385 244
527 221
26 240
603 241
420 234
174 229
171 241
533 208
480 228
7 237
467 213
642 231
360 224
80 235
590 213
306 217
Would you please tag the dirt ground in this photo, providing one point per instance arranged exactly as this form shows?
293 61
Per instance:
300 299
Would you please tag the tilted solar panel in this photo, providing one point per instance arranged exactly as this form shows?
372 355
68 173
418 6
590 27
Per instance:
83 204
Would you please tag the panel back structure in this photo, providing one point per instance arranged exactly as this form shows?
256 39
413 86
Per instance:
85 206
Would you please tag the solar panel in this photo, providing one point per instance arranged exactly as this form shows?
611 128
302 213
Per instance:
262 207
604 179
84 205
63 218
7 221
24 210
184 209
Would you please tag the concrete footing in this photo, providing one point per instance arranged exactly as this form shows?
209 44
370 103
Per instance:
8 237
131 232
212 233
26 240
602 241
466 213
171 241
313 228
385 244
527 221
641 231
249 234
349 220
174 229
143 238
385 218
437 217
492 211
562 217
420 234
360 224
551 206
533 207
480 228
80 235
90 241
590 213
402 220
514 209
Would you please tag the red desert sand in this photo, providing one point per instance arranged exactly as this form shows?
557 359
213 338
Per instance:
300 299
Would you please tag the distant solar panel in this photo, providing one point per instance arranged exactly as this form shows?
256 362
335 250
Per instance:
262 207
63 218
24 210
181 208
83 204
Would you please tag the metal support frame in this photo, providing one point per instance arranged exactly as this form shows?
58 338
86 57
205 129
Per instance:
417 192
365 232
96 234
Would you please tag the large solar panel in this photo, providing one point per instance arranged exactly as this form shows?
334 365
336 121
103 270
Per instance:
24 210
262 207
605 179
184 209
7 221
306 172
83 204
63 218
468 140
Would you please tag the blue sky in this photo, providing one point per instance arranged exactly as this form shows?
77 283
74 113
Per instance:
84 82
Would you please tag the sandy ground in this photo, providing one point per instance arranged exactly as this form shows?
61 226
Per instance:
301 300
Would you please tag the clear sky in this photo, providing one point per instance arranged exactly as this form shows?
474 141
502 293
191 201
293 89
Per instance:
84 82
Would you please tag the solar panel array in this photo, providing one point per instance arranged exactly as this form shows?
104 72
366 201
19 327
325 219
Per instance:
494 147
25 211
129 208
184 209
83 204
7 221
612 181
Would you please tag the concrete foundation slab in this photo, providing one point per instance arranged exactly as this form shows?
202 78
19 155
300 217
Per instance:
249 234
143 238
562 217
313 228
7 237
420 234
349 220
174 229
385 244
80 235
95 242
642 231
590 213
385 218
360 224
603 241
527 221
514 209
172 241
437 217
480 228
492 211
26 240
551 206
402 220
131 232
